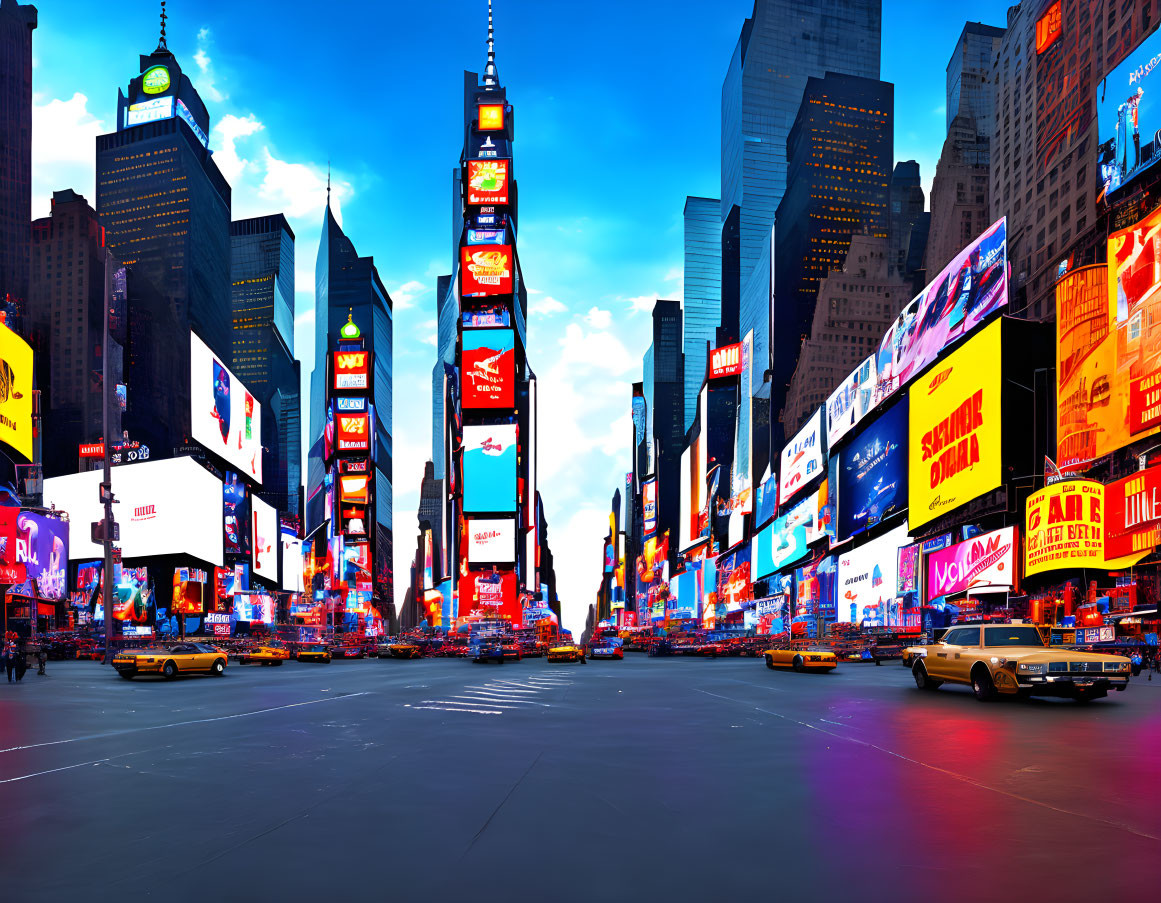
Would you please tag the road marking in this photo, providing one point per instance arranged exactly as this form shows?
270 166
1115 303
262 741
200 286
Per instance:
37 774
505 689
158 727
952 774
440 708
495 700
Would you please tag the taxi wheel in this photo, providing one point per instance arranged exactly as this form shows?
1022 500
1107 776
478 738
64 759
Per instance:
125 676
218 668
770 662
276 663
799 666
982 684
169 671
922 681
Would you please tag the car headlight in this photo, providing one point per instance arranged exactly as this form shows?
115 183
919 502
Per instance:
1033 668
996 660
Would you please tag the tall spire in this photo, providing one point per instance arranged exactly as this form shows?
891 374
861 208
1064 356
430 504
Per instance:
328 183
161 45
491 78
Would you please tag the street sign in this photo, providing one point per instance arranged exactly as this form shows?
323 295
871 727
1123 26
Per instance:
98 531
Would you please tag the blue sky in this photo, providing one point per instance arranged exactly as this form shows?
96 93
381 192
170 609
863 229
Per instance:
617 109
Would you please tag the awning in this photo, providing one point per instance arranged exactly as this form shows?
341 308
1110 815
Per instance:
1132 614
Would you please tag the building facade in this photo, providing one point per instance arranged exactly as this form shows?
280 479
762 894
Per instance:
970 71
841 159
664 387
262 303
17 23
909 223
701 304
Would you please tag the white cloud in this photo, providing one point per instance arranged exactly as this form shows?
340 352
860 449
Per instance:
576 543
940 110
63 146
206 78
546 306
642 304
224 139
408 293
599 319
299 189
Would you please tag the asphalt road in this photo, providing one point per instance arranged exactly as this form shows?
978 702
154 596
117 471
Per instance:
645 779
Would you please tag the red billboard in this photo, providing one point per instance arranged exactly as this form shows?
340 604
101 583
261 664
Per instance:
351 369
486 270
352 432
726 361
489 374
491 595
1133 514
491 117
488 181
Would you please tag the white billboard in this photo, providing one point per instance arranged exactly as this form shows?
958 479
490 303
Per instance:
292 564
172 506
224 416
264 539
491 541
802 459
868 581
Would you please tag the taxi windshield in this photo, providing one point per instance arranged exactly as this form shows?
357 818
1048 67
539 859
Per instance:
1012 635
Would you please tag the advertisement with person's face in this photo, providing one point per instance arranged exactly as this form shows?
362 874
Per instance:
133 600
1128 118
224 416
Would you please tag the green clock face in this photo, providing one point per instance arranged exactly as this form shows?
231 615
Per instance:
155 80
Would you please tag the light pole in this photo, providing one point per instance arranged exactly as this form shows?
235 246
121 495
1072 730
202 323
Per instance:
106 482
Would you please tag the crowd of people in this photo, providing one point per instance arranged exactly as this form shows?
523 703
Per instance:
18 655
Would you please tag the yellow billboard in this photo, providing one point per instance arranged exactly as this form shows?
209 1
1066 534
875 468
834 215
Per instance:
15 392
1064 527
954 431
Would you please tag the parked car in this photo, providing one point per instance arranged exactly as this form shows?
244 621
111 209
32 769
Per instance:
567 652
801 659
170 661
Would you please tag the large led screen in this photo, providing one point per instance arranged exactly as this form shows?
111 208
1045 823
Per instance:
15 392
867 581
42 546
1064 527
489 468
734 584
172 506
486 270
802 460
776 545
224 416
851 401
1135 328
264 533
872 472
1129 117
954 435
292 564
987 560
488 181
488 373
491 541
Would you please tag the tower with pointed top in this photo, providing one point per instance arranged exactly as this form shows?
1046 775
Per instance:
490 559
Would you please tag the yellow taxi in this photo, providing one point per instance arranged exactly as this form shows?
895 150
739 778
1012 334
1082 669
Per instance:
567 652
264 655
314 652
801 659
404 650
170 661
1013 659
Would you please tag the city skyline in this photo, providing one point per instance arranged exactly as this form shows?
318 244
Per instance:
589 292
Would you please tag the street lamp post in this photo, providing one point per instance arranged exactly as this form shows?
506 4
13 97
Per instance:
106 482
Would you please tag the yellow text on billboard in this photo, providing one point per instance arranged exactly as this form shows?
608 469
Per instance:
1064 527
954 431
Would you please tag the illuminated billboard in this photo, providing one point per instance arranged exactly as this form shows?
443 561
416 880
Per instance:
1128 117
264 535
776 545
42 546
155 79
235 515
488 181
491 540
166 507
649 505
1064 527
224 416
954 435
148 111
734 585
742 490
292 564
1135 328
486 270
15 392
725 361
1048 27
803 459
352 433
488 374
984 561
489 460
867 581
871 473
188 596
851 401
1133 514
490 117
352 370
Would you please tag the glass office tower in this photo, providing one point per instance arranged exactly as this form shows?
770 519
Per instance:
16 26
701 307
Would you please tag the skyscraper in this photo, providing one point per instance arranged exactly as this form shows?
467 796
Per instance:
66 325
163 202
970 89
348 290
908 228
701 307
841 154
781 45
16 25
664 388
262 301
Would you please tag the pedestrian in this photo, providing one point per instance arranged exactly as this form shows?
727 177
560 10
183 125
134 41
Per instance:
8 658
41 660
21 661
1135 662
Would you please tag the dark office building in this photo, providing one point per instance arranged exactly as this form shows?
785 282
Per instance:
347 285
163 202
841 152
781 45
702 305
66 325
907 229
665 396
262 299
16 25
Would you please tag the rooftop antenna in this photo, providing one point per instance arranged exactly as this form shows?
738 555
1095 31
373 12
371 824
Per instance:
328 183
161 45
491 79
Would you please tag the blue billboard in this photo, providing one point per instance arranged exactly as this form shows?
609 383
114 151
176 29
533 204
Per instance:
777 545
872 473
490 468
